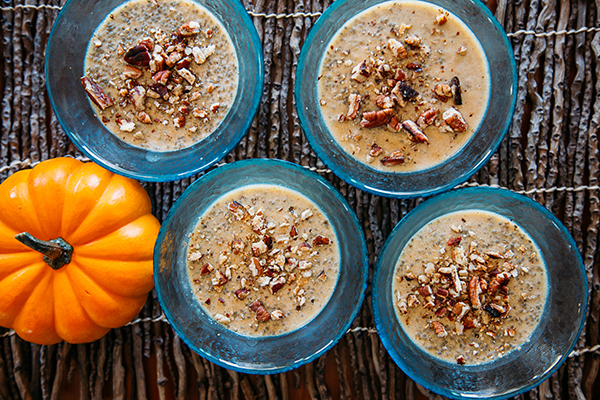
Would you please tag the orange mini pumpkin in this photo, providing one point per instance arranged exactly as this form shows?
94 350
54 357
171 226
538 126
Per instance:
97 234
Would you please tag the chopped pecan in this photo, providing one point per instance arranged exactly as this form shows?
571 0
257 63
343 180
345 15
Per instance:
406 91
237 246
373 119
442 91
414 66
96 94
293 231
439 329
137 95
261 314
220 279
394 125
130 72
206 269
412 300
454 241
442 17
427 117
179 121
497 281
413 41
202 54
460 360
147 43
474 292
320 241
137 55
493 254
259 248
455 86
384 102
384 71
417 134
277 314
361 72
268 240
354 101
375 150
441 292
190 28
255 267
425 290
187 75
183 63
393 159
400 75
277 284
397 48
173 58
161 77
162 90
455 119
143 116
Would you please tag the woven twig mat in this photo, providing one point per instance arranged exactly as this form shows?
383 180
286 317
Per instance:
550 153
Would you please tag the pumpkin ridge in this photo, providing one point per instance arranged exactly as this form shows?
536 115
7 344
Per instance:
96 199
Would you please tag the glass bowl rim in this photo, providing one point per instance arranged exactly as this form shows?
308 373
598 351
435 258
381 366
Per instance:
375 299
305 174
193 169
340 170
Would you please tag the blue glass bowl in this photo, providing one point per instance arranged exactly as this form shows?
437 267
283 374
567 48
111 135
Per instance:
260 355
64 67
444 176
550 343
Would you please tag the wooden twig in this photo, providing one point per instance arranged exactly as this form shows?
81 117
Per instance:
118 371
62 360
138 361
247 389
235 386
100 363
283 383
20 376
320 377
309 380
181 368
271 391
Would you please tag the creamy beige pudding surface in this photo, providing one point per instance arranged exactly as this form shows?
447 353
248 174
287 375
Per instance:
403 86
263 260
470 287
162 75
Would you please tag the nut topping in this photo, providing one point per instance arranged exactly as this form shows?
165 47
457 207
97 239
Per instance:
393 159
455 119
354 100
373 119
417 134
261 314
137 55
96 94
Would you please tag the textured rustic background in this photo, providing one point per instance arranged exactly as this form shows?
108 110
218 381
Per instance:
550 153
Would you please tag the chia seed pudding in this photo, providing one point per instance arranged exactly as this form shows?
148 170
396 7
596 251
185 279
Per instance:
403 86
470 287
263 260
161 75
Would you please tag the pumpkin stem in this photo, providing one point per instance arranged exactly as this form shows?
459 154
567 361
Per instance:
57 252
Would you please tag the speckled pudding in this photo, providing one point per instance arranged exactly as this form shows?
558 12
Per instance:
263 260
403 86
470 287
161 75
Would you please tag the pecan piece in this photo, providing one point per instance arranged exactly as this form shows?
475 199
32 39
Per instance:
206 269
183 63
397 48
427 117
137 55
416 133
393 159
161 90
242 293
293 231
442 91
405 90
96 94
455 120
320 241
460 360
202 54
190 28
474 292
499 280
373 119
261 314
425 290
237 246
394 125
147 43
375 150
277 314
455 87
238 209
161 77
454 241
143 116
413 41
219 280
137 95
384 102
130 72
277 284
173 58
439 329
354 101
361 72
